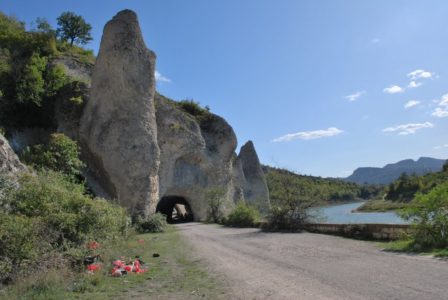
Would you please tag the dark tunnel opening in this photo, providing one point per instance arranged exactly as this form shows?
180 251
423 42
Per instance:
176 209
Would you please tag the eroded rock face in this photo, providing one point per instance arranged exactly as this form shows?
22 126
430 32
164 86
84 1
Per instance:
255 187
195 157
10 164
118 127
142 147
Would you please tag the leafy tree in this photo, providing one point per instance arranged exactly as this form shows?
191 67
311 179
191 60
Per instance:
73 28
42 25
290 203
429 213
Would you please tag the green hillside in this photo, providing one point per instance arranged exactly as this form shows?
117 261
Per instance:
323 190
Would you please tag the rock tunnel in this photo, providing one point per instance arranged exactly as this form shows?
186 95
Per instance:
176 209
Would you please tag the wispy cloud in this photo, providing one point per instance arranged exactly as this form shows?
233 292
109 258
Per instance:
411 128
441 146
355 96
411 103
309 135
394 89
161 78
375 41
419 73
414 84
442 110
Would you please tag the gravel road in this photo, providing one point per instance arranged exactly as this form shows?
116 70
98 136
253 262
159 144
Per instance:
257 265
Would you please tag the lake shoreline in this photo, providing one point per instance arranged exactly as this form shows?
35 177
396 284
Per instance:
348 214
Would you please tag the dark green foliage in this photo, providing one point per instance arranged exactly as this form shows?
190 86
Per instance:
406 187
30 85
429 214
151 224
60 154
73 28
55 79
243 215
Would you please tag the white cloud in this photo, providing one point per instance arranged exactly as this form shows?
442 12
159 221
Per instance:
410 128
414 84
411 103
416 74
442 110
444 100
355 96
375 41
309 135
161 78
441 146
394 89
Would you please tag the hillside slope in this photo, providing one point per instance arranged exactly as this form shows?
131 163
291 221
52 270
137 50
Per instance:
324 190
391 172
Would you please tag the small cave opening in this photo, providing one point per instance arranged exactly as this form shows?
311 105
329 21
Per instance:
176 209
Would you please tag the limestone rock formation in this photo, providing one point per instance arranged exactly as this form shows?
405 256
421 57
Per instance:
118 126
195 156
148 151
10 164
255 187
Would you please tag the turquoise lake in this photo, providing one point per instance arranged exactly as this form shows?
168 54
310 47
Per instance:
342 213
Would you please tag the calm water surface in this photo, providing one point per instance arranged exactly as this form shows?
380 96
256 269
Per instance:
342 213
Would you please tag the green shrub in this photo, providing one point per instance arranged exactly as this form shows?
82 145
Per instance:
66 211
31 85
215 197
151 224
55 79
49 213
60 154
19 242
194 109
243 215
429 214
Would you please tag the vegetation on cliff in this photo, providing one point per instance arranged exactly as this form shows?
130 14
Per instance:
29 82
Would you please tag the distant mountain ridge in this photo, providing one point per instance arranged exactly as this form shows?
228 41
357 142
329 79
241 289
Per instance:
391 172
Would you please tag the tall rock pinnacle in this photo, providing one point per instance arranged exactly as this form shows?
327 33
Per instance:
255 187
118 127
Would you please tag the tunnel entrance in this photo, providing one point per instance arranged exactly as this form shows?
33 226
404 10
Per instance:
176 209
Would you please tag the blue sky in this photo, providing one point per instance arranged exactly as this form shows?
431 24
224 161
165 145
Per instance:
321 87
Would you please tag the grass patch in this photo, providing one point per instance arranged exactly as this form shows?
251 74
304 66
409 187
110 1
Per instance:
409 246
173 275
381 206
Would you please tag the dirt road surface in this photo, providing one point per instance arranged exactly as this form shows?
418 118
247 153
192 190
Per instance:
257 265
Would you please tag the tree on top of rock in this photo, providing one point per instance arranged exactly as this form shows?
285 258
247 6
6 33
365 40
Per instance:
73 28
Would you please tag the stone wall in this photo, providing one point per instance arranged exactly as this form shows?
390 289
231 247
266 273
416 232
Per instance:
362 231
